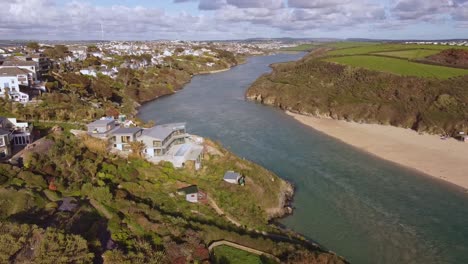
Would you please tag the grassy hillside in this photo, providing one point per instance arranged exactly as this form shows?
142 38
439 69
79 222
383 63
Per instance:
226 254
410 54
127 210
398 66
383 47
303 47
315 86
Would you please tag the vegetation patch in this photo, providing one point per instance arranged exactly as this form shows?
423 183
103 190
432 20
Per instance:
384 47
400 67
410 54
226 254
303 47
315 86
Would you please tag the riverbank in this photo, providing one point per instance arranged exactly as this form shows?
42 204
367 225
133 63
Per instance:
442 159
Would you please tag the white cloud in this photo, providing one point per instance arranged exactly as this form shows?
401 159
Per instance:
226 18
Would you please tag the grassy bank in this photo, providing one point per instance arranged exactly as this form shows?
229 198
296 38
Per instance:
369 88
398 66
134 205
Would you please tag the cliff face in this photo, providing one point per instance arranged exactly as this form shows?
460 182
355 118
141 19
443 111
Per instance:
315 87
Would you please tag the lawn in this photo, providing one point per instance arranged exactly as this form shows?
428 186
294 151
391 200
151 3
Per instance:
366 49
398 66
410 54
226 254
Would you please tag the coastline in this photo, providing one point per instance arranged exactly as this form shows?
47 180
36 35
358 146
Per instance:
442 159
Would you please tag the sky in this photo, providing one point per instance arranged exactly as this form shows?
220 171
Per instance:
232 19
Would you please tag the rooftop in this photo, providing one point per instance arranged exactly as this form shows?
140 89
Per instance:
127 130
4 132
103 122
230 175
12 71
188 190
19 63
161 132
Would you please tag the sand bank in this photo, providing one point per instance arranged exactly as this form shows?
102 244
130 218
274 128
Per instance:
444 159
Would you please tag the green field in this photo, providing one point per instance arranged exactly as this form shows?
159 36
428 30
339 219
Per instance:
303 47
410 54
226 254
350 44
398 66
366 49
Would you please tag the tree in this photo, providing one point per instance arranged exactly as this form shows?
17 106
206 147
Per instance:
92 48
33 46
102 89
137 148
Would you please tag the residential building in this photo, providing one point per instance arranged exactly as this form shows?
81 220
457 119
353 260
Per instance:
102 128
123 136
171 143
10 81
159 139
31 66
13 133
5 141
161 143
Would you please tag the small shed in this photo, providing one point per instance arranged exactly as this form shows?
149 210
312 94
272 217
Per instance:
232 177
190 192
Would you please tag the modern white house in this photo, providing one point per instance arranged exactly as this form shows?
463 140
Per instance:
160 139
171 143
123 136
168 142
13 133
10 81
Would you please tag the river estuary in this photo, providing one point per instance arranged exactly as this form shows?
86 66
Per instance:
363 208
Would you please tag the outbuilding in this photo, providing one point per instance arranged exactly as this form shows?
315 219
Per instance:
232 177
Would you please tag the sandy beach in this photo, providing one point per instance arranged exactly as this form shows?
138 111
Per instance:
443 159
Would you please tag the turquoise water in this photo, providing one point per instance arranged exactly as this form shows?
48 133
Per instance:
363 208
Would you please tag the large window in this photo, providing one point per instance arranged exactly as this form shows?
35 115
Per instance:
157 143
2 142
125 139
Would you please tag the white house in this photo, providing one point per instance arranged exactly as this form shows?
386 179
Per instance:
31 66
9 85
21 131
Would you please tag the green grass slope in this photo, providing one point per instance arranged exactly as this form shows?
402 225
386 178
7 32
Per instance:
410 54
398 66
315 86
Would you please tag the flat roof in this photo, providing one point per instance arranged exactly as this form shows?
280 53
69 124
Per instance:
230 175
161 132
182 150
127 130
103 122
